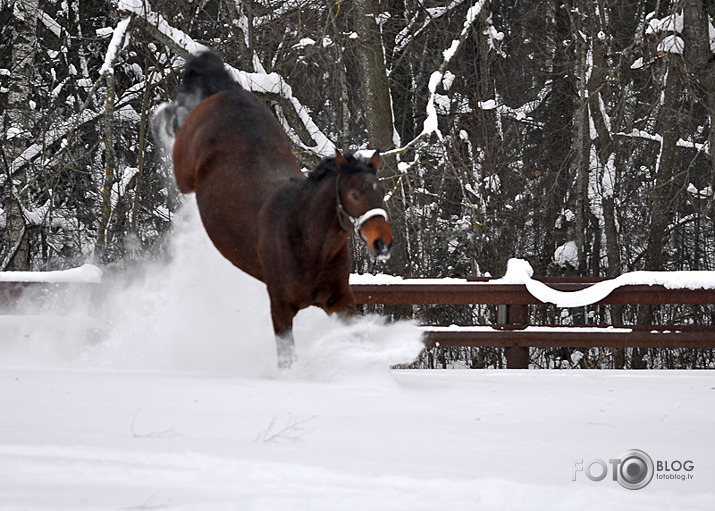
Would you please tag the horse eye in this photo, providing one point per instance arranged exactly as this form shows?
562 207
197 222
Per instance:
355 196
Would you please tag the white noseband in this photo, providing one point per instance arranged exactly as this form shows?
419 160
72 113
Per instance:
368 215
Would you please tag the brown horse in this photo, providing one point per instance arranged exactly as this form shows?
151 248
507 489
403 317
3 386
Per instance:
262 213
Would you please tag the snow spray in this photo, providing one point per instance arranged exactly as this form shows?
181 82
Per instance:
199 313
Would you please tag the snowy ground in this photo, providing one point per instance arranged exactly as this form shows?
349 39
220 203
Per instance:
104 439
165 396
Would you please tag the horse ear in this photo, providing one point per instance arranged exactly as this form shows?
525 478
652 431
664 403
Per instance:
340 160
375 160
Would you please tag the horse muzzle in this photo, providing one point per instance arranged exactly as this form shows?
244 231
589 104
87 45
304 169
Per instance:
376 233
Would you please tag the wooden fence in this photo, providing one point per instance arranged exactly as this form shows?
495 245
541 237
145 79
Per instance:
513 331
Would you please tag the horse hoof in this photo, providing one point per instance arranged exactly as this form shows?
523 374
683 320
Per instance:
286 360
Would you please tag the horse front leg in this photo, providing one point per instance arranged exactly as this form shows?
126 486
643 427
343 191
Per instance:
282 315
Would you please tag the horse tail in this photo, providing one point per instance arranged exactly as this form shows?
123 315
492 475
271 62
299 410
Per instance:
204 76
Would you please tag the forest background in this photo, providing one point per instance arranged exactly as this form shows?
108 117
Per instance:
576 135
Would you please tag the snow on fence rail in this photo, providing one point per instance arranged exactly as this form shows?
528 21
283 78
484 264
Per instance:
14 284
85 274
514 292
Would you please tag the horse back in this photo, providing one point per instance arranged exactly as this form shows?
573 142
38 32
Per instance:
233 133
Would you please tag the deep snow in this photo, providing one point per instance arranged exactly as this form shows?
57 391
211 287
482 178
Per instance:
165 396
433 440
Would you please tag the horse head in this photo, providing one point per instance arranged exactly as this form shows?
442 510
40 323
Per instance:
360 199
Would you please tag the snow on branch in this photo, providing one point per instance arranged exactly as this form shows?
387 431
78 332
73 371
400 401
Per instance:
273 83
142 10
671 23
430 124
262 83
671 43
408 34
523 112
54 134
118 40
644 135
49 22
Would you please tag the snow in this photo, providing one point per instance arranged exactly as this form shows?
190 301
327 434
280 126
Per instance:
50 23
448 80
104 32
608 179
567 255
87 273
12 132
532 329
114 46
672 23
171 400
306 41
520 272
417 440
364 154
700 194
638 63
382 279
442 104
671 44
451 51
431 123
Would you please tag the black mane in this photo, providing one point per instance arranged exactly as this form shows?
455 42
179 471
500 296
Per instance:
328 167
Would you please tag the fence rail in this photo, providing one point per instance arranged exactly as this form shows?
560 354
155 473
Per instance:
514 332
485 291
11 292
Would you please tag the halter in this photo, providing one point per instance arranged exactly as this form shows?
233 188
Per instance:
356 222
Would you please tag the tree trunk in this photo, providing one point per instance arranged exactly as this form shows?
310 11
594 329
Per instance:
558 136
604 149
343 109
16 255
661 205
109 170
662 196
583 139
373 76
699 60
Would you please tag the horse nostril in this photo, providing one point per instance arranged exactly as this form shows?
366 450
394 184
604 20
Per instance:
382 251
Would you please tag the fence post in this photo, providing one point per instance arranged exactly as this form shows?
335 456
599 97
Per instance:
517 357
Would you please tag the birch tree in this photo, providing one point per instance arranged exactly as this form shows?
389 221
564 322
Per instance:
18 119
